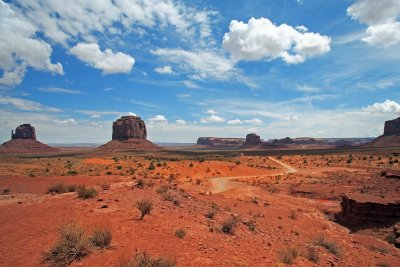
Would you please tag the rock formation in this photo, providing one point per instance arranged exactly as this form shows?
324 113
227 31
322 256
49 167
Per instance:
391 134
24 141
361 211
128 127
392 127
215 141
129 134
396 230
24 131
253 139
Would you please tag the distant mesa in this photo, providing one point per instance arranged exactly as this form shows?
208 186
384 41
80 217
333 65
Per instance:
253 139
216 141
23 140
391 134
129 133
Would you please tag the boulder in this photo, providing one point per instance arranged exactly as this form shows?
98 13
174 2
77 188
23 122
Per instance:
128 127
253 139
24 131
392 127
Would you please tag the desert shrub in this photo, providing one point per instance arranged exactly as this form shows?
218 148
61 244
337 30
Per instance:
254 200
383 264
60 188
101 238
312 254
229 225
190 165
292 215
31 175
140 183
72 172
210 214
390 238
162 189
287 255
119 167
237 162
180 233
169 197
86 192
332 247
144 206
144 260
151 166
71 245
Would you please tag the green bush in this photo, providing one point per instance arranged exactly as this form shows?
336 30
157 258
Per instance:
180 233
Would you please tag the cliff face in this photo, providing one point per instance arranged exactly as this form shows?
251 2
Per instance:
392 127
128 127
24 131
253 139
359 211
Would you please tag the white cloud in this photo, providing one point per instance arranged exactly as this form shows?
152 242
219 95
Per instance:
164 70
59 90
235 122
20 48
307 89
388 106
66 122
190 84
100 113
108 61
23 104
158 119
210 111
180 122
211 119
261 39
293 117
184 95
382 18
199 65
253 121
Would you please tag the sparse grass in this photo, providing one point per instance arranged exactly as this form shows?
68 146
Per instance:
287 255
180 233
254 200
378 249
140 183
60 188
101 238
229 225
332 247
162 189
145 206
312 254
210 214
383 264
144 260
71 245
86 192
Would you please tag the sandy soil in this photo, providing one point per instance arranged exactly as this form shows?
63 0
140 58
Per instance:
278 202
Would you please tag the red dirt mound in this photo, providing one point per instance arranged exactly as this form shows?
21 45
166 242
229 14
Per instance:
387 140
129 145
25 146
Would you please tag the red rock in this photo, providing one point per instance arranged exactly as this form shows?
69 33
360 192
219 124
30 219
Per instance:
253 139
24 131
215 141
392 127
128 127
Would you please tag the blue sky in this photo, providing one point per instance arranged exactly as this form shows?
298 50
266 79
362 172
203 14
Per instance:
318 68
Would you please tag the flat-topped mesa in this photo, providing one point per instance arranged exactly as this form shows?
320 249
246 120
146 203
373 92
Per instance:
219 141
128 127
253 139
392 127
24 131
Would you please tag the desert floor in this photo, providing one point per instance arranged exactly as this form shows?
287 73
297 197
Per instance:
278 204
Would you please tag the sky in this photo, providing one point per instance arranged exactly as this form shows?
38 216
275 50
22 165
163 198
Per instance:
317 68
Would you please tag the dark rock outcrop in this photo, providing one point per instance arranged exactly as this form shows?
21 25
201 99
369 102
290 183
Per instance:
360 211
396 230
24 131
253 139
392 127
128 127
215 141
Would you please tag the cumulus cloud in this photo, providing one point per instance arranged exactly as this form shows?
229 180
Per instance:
158 119
59 90
388 106
20 48
253 121
210 111
23 104
164 70
307 89
212 119
235 122
261 39
180 122
199 65
382 18
107 61
66 122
